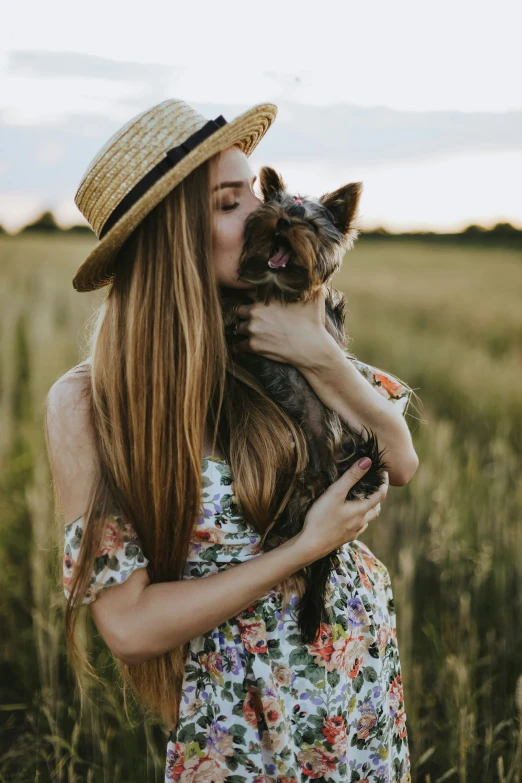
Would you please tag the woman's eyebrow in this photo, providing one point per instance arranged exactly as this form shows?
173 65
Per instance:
237 184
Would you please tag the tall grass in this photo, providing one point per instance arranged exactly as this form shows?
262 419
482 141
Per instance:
445 320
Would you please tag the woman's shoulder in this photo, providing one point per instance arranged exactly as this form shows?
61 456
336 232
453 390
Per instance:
70 393
70 441
387 384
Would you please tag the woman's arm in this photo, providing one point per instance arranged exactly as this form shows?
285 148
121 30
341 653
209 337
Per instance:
295 333
140 620
341 387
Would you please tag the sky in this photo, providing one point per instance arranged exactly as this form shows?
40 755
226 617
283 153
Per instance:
420 102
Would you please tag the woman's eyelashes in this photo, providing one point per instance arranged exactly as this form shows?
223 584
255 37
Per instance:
229 207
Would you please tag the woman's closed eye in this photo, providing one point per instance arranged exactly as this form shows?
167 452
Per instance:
228 207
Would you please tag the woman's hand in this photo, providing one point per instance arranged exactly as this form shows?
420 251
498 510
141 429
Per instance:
332 521
291 333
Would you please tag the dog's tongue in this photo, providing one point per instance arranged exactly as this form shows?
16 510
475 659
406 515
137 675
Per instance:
279 259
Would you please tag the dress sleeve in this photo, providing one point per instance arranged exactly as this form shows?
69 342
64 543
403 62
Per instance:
119 555
385 383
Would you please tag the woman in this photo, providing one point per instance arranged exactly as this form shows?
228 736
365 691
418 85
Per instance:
132 434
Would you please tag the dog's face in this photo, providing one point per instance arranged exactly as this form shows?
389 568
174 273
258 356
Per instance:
294 244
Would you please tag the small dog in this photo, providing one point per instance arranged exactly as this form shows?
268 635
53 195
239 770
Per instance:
293 245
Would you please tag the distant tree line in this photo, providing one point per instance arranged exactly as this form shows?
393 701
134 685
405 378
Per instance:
46 224
502 234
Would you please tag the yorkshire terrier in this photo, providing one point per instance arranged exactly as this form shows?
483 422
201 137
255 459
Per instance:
293 245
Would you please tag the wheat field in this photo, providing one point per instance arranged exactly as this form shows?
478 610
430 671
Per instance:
445 320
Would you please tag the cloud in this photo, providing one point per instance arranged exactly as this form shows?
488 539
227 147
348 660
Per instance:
81 88
55 65
343 135
50 153
358 135
87 98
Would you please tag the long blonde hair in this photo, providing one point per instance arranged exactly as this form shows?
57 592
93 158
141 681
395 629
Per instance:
158 372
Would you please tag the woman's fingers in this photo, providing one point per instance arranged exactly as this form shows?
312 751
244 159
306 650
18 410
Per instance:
366 504
371 514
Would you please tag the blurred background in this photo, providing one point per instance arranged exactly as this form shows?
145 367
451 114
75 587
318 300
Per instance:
422 104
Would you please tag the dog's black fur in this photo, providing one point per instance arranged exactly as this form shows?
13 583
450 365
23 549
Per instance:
313 236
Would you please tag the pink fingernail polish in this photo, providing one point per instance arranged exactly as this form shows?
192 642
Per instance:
364 463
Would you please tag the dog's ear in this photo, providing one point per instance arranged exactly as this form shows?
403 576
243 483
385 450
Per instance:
343 204
272 184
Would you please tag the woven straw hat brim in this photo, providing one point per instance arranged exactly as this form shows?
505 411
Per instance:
246 130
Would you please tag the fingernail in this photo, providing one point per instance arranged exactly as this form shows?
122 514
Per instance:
364 463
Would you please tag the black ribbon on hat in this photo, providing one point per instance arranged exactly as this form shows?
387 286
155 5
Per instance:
171 159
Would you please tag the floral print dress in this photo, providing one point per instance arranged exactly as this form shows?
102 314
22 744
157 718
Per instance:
258 705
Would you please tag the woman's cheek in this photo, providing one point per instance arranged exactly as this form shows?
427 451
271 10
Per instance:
227 234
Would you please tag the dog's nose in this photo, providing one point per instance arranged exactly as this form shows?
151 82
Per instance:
282 225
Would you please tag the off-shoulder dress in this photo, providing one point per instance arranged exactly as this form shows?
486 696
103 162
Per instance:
258 705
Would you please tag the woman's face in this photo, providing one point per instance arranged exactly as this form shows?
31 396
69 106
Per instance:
232 199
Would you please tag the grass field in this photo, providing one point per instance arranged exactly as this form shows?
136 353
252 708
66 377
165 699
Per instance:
448 322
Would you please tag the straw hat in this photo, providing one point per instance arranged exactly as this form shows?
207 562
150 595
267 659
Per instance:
142 162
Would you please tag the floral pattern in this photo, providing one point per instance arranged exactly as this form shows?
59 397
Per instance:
119 555
385 384
258 705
